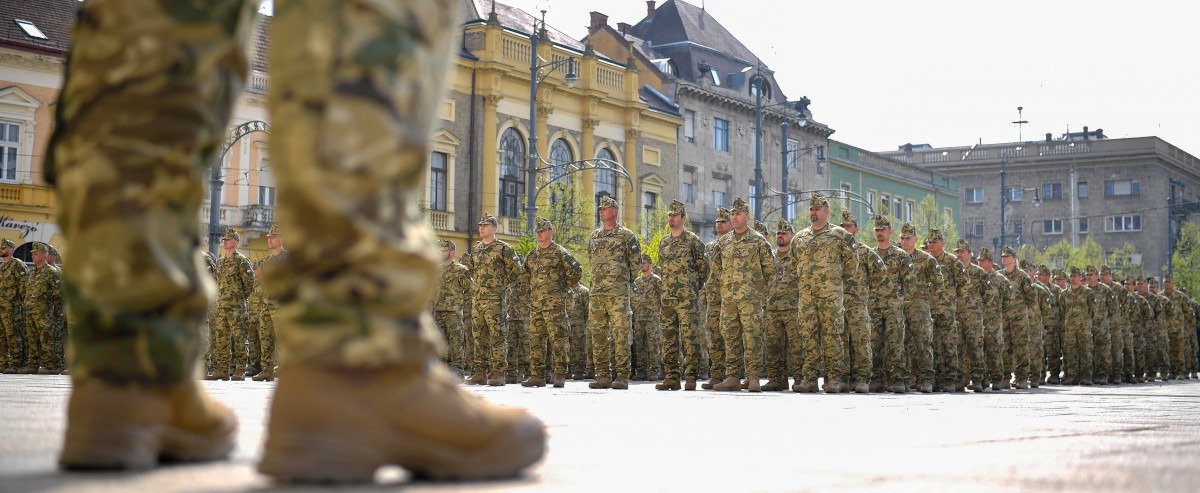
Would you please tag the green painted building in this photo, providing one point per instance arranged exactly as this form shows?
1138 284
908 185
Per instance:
866 176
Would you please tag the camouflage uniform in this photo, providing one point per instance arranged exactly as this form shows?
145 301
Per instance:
12 322
262 315
1019 322
235 274
646 302
60 316
742 264
517 311
828 268
494 266
970 320
452 298
1193 355
718 347
684 268
1054 329
1078 304
918 311
781 336
890 364
552 271
870 280
1178 343
946 330
581 339
1116 330
614 256
42 304
997 297
1133 308
1104 302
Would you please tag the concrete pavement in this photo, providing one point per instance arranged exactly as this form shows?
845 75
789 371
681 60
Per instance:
1088 439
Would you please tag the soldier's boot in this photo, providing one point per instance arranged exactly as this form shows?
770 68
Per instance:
876 387
510 378
805 387
1070 380
479 378
775 385
897 388
977 386
669 384
560 381
132 427
620 383
832 386
711 383
12 370
495 379
1053 380
745 384
237 375
28 370
1085 381
45 371
533 381
1021 385
730 384
264 376
925 387
754 385
65 372
689 383
862 387
602 382
220 375
416 418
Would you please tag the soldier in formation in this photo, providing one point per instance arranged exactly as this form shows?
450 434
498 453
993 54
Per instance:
12 309
495 266
615 255
452 299
646 302
552 271
684 269
235 275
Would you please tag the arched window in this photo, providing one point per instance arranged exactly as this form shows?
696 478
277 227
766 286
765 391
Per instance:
606 178
560 153
766 89
512 162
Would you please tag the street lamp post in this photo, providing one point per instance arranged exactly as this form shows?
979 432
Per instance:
531 190
757 81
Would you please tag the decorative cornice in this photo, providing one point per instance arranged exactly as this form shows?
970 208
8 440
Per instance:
40 63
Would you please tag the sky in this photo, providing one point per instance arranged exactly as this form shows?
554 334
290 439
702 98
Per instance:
953 72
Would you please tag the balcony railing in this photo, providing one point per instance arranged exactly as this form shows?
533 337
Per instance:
513 226
258 82
258 216
440 220
229 215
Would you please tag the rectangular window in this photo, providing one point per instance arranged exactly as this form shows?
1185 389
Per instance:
689 187
753 198
871 200
793 156
1014 194
721 134
845 194
1122 188
720 193
909 207
819 167
10 143
689 126
1081 190
1083 225
791 207
886 200
1052 227
437 181
1121 224
649 200
896 207
266 195
1052 191
975 229
974 195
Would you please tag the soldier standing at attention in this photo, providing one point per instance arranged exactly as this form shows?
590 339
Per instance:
782 336
890 365
742 265
828 268
517 311
684 269
1116 326
551 271
1143 338
60 316
453 297
970 318
1054 280
262 309
860 304
647 307
1078 304
919 310
12 325
235 274
997 295
1179 318
41 309
1101 326
494 266
581 340
614 254
717 345
945 312
1018 321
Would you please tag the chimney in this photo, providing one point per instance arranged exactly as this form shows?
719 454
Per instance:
1100 134
1085 132
623 28
598 20
1048 137
649 10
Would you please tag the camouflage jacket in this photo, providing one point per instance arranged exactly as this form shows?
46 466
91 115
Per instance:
1180 311
1054 306
1012 309
615 257
43 291
992 299
552 272
784 288
900 268
977 285
1025 296
683 265
929 277
12 282
260 289
516 299
454 289
956 284
1116 315
712 292
1101 295
1133 308
825 261
742 265
493 267
577 313
647 297
874 281
236 277
1078 306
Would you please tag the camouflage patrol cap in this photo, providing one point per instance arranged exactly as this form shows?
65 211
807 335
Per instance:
907 231
7 243
934 235
1025 264
882 222
1140 281
53 251
1074 270
1058 274
607 202
761 228
1090 270
1008 252
848 218
542 224
1152 282
985 254
232 234
784 227
1105 270
274 231
740 205
818 200
962 245
646 259
1043 270
446 245
1168 278
40 247
722 215
488 218
676 209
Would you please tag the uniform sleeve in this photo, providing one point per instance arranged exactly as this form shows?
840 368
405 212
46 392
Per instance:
574 270
247 275
513 268
766 262
632 253
714 273
699 263
850 264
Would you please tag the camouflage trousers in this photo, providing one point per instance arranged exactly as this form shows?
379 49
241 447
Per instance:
608 321
229 350
12 338
1129 353
1037 353
1077 349
450 323
519 348
822 324
580 358
266 338
43 345
548 327
1101 349
254 336
947 362
1054 350
351 111
647 347
1117 344
993 350
918 343
718 347
784 353
888 364
970 347
680 335
856 339
1141 351
1017 337
1179 348
742 320
490 352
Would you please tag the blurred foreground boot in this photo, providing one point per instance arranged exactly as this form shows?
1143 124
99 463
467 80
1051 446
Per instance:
264 376
342 424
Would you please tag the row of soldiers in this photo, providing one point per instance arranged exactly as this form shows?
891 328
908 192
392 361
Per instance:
33 322
240 331
819 304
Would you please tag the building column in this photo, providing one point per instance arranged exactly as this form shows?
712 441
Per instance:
631 162
490 196
588 151
543 145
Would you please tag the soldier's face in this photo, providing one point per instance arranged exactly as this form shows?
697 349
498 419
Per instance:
1044 278
608 214
229 244
987 265
487 230
882 235
818 214
646 266
274 242
1141 287
1075 280
783 238
937 248
1008 261
1091 279
447 254
722 227
6 252
908 242
675 220
964 256
739 219
545 236
1060 282
39 257
851 228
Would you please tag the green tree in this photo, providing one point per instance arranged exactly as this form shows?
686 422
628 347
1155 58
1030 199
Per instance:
929 216
1121 260
651 227
1027 253
573 213
1186 259
1089 253
1057 255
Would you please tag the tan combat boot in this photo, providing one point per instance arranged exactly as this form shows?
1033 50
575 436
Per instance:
775 385
495 379
560 381
341 425
689 383
862 387
712 382
479 378
804 386
533 381
218 376
132 427
730 384
753 385
670 384
264 376
602 382
620 383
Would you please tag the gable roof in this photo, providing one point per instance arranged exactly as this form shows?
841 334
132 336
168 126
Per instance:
515 19
53 18
677 21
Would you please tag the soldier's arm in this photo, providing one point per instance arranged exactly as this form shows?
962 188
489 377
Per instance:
633 251
766 261
850 263
714 273
574 270
699 263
